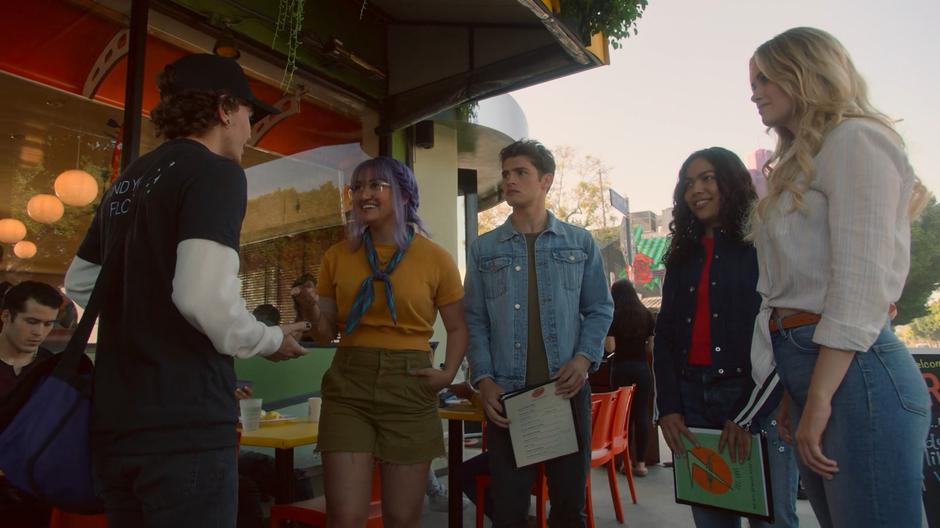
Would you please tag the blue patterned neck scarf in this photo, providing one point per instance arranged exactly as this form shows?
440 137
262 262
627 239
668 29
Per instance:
366 293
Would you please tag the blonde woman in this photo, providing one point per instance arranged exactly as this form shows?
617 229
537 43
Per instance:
833 243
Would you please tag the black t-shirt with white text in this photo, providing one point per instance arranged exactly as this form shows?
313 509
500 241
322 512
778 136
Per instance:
160 385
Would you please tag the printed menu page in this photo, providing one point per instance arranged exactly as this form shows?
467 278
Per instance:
541 424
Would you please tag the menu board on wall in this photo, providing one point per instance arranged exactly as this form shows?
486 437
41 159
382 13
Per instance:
930 366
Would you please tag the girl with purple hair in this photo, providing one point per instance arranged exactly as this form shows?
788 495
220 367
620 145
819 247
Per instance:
382 290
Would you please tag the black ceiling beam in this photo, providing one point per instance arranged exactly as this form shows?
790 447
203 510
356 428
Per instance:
134 82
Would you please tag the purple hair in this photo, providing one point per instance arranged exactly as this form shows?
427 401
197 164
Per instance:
404 201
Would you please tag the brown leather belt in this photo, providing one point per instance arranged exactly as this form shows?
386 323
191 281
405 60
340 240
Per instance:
793 321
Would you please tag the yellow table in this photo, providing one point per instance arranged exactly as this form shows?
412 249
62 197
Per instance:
455 417
283 437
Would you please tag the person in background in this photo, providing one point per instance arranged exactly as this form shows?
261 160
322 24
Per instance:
28 312
476 465
267 314
538 307
703 333
833 242
173 320
383 289
629 340
436 491
296 286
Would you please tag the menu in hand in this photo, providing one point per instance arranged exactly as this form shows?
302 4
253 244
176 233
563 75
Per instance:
541 424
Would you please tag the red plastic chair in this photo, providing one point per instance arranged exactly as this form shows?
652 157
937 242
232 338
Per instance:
621 438
61 519
602 413
313 511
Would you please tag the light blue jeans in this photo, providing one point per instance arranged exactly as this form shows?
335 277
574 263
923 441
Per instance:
876 433
700 400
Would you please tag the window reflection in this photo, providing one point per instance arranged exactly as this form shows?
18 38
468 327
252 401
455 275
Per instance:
295 213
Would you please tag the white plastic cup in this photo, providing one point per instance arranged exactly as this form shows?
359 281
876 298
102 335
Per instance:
250 413
314 405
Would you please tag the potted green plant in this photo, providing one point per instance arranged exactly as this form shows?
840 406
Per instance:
614 18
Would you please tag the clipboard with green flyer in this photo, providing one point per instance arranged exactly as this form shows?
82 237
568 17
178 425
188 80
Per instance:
708 478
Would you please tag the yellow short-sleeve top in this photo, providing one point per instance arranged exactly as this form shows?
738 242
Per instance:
426 278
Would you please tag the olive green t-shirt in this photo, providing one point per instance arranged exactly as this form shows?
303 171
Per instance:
536 371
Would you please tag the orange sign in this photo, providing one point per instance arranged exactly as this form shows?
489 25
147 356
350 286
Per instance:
710 471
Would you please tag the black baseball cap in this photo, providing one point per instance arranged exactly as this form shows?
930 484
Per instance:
203 72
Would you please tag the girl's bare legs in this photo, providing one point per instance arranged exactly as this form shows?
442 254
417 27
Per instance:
348 486
403 489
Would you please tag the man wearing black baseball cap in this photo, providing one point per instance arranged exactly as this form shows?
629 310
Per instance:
209 73
164 405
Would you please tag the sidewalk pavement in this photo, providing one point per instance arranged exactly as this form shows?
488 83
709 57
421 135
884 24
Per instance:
655 507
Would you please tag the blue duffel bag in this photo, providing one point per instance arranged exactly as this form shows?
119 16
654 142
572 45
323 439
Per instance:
45 420
45 438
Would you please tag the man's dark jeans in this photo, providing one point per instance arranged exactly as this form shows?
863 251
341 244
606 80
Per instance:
567 476
169 490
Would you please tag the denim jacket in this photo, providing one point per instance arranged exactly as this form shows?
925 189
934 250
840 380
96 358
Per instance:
733 301
574 300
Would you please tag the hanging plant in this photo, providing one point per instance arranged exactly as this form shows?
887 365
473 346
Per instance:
290 20
614 18
467 111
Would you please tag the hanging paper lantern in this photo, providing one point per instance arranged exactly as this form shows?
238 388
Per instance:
12 231
24 249
45 208
76 187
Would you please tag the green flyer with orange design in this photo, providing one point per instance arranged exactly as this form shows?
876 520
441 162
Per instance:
706 477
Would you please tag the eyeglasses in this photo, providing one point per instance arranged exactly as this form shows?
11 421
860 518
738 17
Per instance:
374 186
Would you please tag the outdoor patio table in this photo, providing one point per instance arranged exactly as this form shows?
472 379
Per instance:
455 417
283 437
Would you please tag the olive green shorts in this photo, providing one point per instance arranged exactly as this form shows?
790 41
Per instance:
371 404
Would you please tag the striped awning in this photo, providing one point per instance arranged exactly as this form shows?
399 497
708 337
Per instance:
651 246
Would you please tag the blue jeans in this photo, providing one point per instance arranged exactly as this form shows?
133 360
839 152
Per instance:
703 401
876 433
566 476
168 489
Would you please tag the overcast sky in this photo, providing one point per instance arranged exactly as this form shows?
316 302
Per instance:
681 84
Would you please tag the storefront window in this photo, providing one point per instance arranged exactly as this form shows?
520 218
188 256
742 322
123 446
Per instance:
295 213
64 81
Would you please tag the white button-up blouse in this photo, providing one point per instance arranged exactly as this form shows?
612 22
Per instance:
846 254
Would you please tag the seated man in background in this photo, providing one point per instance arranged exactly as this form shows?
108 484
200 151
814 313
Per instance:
474 466
29 310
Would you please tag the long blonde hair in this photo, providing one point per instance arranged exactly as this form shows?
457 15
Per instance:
815 71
